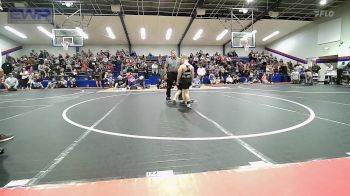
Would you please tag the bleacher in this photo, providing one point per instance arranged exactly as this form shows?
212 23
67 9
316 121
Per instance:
84 80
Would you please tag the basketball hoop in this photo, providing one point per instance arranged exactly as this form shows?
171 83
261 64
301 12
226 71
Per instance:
65 45
245 44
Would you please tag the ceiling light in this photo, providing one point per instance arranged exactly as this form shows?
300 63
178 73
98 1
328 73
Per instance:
81 33
323 2
110 33
168 33
43 30
14 31
198 34
221 35
68 4
253 32
271 35
244 10
249 1
143 33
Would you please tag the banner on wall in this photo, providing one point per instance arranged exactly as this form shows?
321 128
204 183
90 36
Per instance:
328 59
30 16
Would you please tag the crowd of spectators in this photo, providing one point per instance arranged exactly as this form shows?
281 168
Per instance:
259 67
128 70
63 71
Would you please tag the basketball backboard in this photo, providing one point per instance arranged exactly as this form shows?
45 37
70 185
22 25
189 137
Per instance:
67 35
239 39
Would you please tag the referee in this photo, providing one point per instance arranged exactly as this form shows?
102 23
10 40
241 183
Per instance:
171 67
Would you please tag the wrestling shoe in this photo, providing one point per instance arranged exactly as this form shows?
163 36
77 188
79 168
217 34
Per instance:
4 138
191 101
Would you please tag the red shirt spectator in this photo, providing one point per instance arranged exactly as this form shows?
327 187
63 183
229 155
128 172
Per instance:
85 67
110 67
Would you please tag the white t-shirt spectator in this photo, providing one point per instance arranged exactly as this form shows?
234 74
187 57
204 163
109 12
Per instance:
41 67
299 68
11 82
295 75
25 74
229 79
154 66
105 60
201 71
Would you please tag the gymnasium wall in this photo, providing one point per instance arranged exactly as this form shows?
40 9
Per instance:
285 59
303 43
97 48
187 50
5 44
52 50
155 50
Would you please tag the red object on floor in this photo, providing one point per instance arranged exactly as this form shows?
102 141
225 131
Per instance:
319 178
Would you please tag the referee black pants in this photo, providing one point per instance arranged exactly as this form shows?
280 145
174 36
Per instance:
171 79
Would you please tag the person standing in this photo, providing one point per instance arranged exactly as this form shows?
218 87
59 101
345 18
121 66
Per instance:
269 72
7 67
98 75
24 78
2 79
184 80
171 69
284 71
160 59
154 68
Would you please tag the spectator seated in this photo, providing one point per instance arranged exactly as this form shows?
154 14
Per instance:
206 80
212 79
295 77
196 83
308 77
120 82
131 81
264 79
229 79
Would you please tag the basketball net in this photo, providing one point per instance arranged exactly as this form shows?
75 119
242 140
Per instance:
65 45
245 44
